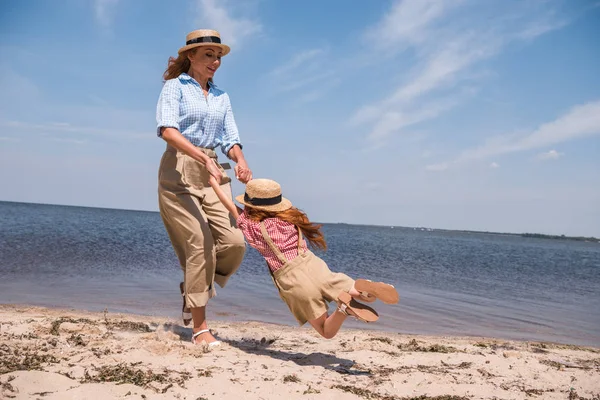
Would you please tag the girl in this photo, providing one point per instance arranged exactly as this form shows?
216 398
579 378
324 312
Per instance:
272 226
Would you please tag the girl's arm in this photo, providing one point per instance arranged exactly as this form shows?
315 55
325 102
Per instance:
227 202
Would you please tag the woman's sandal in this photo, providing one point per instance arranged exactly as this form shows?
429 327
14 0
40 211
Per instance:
348 306
382 291
211 344
186 314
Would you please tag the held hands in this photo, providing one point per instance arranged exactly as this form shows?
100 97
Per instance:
242 172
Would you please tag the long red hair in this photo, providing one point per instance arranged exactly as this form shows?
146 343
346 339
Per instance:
311 231
179 65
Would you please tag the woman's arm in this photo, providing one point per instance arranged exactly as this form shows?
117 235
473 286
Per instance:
173 137
242 172
232 146
227 202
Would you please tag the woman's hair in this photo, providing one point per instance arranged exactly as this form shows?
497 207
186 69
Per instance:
311 231
179 65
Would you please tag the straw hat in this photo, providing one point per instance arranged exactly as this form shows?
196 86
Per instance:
204 37
264 194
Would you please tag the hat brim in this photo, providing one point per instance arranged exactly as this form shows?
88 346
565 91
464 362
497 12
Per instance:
226 49
283 205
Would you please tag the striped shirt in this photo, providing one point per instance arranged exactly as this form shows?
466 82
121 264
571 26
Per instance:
283 234
205 121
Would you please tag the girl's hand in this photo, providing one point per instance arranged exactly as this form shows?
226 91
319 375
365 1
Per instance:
214 171
242 172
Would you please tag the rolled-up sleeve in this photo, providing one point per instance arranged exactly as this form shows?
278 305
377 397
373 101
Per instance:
167 109
231 135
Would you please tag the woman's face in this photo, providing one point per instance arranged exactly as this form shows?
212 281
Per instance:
205 61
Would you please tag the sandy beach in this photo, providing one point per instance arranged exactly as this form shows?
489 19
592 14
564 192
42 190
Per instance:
68 354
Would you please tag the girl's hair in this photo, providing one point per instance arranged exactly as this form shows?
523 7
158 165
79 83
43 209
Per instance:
311 231
179 65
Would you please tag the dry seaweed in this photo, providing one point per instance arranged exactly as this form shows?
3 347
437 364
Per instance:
206 373
558 346
291 378
413 345
370 395
551 363
381 339
123 373
574 396
310 390
128 326
56 324
527 391
462 365
7 386
25 362
76 340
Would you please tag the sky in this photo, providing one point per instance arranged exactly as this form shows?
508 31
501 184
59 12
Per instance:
453 114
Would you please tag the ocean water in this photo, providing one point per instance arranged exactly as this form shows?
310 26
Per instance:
450 283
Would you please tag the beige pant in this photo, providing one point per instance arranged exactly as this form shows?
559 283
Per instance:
307 286
209 246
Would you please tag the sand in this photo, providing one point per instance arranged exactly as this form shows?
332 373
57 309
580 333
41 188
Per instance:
68 354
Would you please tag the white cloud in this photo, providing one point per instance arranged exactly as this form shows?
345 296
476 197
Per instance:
387 118
580 121
296 61
437 167
494 165
408 22
446 51
540 28
65 128
549 155
308 69
104 11
218 15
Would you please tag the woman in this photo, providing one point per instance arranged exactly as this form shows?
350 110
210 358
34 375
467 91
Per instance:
194 117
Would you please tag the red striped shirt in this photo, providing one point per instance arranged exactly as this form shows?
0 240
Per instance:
283 234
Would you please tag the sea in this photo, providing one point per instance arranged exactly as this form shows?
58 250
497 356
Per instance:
450 283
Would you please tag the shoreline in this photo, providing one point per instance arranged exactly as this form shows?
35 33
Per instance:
224 314
59 353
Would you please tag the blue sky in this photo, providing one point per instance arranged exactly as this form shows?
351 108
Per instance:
458 114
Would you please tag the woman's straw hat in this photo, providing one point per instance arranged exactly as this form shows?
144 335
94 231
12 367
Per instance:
204 37
264 194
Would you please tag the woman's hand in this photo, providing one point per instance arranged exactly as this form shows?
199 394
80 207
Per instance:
242 172
214 170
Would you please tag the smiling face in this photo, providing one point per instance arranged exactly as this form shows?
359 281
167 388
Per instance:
205 61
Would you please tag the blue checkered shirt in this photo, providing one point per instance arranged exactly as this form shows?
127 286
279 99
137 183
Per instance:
205 121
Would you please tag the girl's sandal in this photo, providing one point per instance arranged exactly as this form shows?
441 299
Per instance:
348 306
382 291
186 314
211 344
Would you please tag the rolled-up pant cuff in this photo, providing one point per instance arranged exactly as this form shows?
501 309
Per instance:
194 300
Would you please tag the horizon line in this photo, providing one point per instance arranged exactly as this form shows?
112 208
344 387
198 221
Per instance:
338 223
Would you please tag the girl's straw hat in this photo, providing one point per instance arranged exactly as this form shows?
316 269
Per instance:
264 194
204 37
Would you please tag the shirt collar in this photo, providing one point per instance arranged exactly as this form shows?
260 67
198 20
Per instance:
185 77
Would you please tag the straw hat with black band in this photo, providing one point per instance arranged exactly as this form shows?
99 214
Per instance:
204 37
264 194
